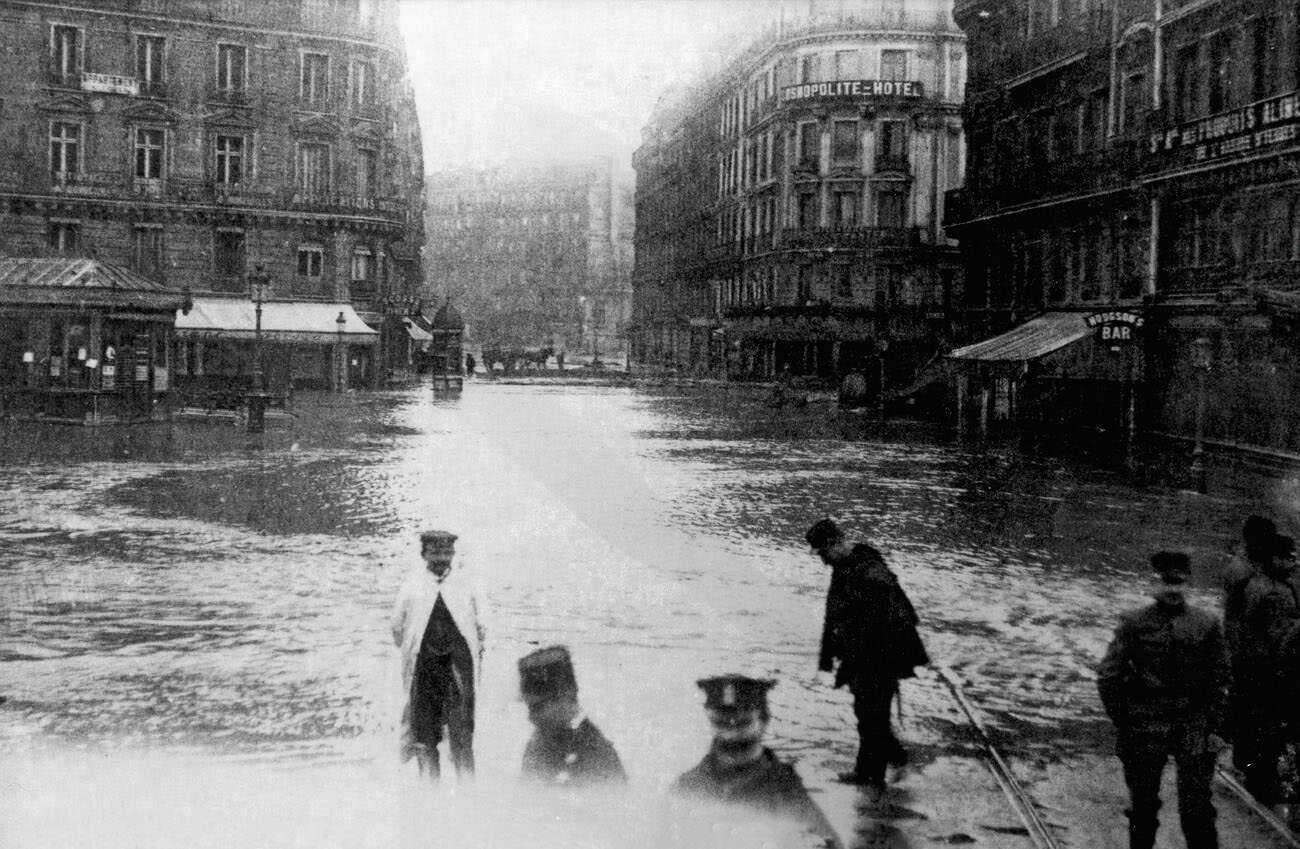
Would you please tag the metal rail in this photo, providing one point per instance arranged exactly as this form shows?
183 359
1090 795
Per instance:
1231 782
1020 801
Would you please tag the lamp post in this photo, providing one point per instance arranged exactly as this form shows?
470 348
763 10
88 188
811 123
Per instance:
340 361
258 282
1202 361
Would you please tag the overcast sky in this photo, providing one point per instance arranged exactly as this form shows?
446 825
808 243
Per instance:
502 80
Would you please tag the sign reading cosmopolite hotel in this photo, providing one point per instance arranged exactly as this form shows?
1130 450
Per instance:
852 90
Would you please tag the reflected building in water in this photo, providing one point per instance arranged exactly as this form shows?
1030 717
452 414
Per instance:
789 206
193 142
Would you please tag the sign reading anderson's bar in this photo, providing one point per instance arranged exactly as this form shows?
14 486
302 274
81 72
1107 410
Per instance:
1259 125
861 89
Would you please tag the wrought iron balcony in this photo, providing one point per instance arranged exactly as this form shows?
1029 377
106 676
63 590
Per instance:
851 238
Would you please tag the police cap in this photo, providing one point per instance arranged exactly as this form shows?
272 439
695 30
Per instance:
444 540
1172 565
546 674
823 533
735 692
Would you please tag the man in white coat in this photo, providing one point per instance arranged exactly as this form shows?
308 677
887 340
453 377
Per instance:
436 625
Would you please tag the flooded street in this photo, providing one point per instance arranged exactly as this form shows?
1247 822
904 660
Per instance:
194 627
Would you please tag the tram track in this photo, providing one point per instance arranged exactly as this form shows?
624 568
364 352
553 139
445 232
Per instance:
1026 808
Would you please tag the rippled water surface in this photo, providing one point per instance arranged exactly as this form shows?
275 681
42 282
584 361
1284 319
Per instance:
186 593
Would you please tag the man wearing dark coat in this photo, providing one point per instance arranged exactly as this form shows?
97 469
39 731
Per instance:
566 749
1164 683
739 769
870 628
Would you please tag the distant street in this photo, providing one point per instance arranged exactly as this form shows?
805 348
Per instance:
184 599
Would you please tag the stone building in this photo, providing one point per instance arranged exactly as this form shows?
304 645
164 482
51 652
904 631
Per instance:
789 206
196 142
1132 204
535 256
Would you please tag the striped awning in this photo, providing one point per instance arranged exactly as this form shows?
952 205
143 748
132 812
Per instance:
1035 338
305 322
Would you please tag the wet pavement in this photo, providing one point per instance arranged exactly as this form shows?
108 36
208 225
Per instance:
193 625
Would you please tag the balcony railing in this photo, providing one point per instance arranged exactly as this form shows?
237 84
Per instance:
895 163
823 238
229 96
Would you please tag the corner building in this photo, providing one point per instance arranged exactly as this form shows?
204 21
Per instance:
198 141
789 208
1131 222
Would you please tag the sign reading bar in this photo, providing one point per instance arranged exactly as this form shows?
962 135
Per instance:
859 89
1259 125
1115 326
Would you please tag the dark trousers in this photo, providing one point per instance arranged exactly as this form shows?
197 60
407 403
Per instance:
877 745
443 697
1143 752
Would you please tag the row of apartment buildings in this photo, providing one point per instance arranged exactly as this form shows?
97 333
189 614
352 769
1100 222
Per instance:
1136 163
1126 201
199 144
537 255
790 206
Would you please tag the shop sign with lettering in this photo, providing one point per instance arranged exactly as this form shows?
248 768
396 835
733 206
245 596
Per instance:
1115 327
1266 123
853 90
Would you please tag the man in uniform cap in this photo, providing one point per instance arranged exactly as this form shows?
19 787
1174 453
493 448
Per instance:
870 628
1164 683
739 769
566 749
436 624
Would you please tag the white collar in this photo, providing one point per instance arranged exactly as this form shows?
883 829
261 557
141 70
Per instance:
578 720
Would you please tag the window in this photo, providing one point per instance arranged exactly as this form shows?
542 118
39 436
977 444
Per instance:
362 267
844 142
362 83
893 64
778 154
1092 126
844 281
1187 81
809 144
1264 78
149 146
232 68
65 148
64 237
808 210
891 146
847 65
311 260
146 251
1222 69
366 163
149 61
809 68
889 207
228 253
1065 131
1133 100
314 87
230 160
846 209
65 54
314 168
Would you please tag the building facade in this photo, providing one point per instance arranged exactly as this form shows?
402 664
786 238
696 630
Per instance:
535 256
1132 165
789 208
201 143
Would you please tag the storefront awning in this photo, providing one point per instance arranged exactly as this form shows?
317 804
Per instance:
84 283
1035 338
416 332
303 322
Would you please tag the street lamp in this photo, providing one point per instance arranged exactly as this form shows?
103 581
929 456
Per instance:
340 362
258 283
1202 361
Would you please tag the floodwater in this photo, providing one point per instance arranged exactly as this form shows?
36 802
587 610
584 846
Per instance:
193 621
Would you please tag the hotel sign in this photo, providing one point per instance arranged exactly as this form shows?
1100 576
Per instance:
853 90
1115 327
1260 125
